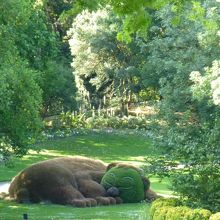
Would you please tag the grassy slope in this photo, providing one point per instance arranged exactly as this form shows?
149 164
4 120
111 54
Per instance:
105 146
12 211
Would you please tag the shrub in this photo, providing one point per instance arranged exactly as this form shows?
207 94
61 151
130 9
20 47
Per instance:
114 122
136 122
196 149
20 103
70 120
201 214
186 213
96 122
189 104
160 214
162 202
215 216
172 209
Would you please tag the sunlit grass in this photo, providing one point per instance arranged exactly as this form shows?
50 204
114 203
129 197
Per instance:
12 211
107 147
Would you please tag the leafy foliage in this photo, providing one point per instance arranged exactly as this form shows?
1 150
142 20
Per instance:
215 216
20 103
173 209
59 88
134 15
122 52
104 68
40 45
68 120
20 92
27 46
207 86
189 104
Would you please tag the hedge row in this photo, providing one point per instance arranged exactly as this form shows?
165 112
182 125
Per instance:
215 216
173 209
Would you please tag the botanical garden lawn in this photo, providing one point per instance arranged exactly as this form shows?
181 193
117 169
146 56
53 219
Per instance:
128 146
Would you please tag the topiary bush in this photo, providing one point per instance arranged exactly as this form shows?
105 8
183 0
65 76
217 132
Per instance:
172 209
128 181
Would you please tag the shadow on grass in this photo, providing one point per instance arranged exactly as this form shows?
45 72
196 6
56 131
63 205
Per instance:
107 147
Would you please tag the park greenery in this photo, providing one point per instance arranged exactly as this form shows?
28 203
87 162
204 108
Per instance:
76 65
174 209
125 146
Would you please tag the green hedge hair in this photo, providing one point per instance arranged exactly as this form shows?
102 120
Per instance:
129 182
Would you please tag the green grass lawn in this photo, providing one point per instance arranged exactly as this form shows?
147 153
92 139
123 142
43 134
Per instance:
13 211
130 147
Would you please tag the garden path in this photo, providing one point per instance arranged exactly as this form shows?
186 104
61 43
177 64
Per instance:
4 186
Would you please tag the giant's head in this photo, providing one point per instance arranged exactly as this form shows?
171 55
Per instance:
126 181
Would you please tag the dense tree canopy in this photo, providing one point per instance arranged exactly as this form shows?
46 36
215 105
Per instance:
30 54
105 69
183 64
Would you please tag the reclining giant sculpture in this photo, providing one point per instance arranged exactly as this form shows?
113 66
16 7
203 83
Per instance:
79 181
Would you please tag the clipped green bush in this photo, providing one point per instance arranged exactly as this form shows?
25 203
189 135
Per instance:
128 181
186 213
162 202
172 209
160 214
215 216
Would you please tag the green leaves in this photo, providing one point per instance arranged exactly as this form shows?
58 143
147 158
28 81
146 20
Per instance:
104 67
15 13
124 7
207 86
27 42
197 11
176 55
20 104
133 14
138 26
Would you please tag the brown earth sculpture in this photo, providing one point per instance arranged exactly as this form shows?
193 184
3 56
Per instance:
67 180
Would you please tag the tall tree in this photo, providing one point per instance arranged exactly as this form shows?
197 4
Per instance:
20 98
34 74
40 44
133 14
104 67
179 59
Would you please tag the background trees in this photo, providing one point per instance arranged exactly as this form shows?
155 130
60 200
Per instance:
175 59
35 76
181 58
20 92
105 69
